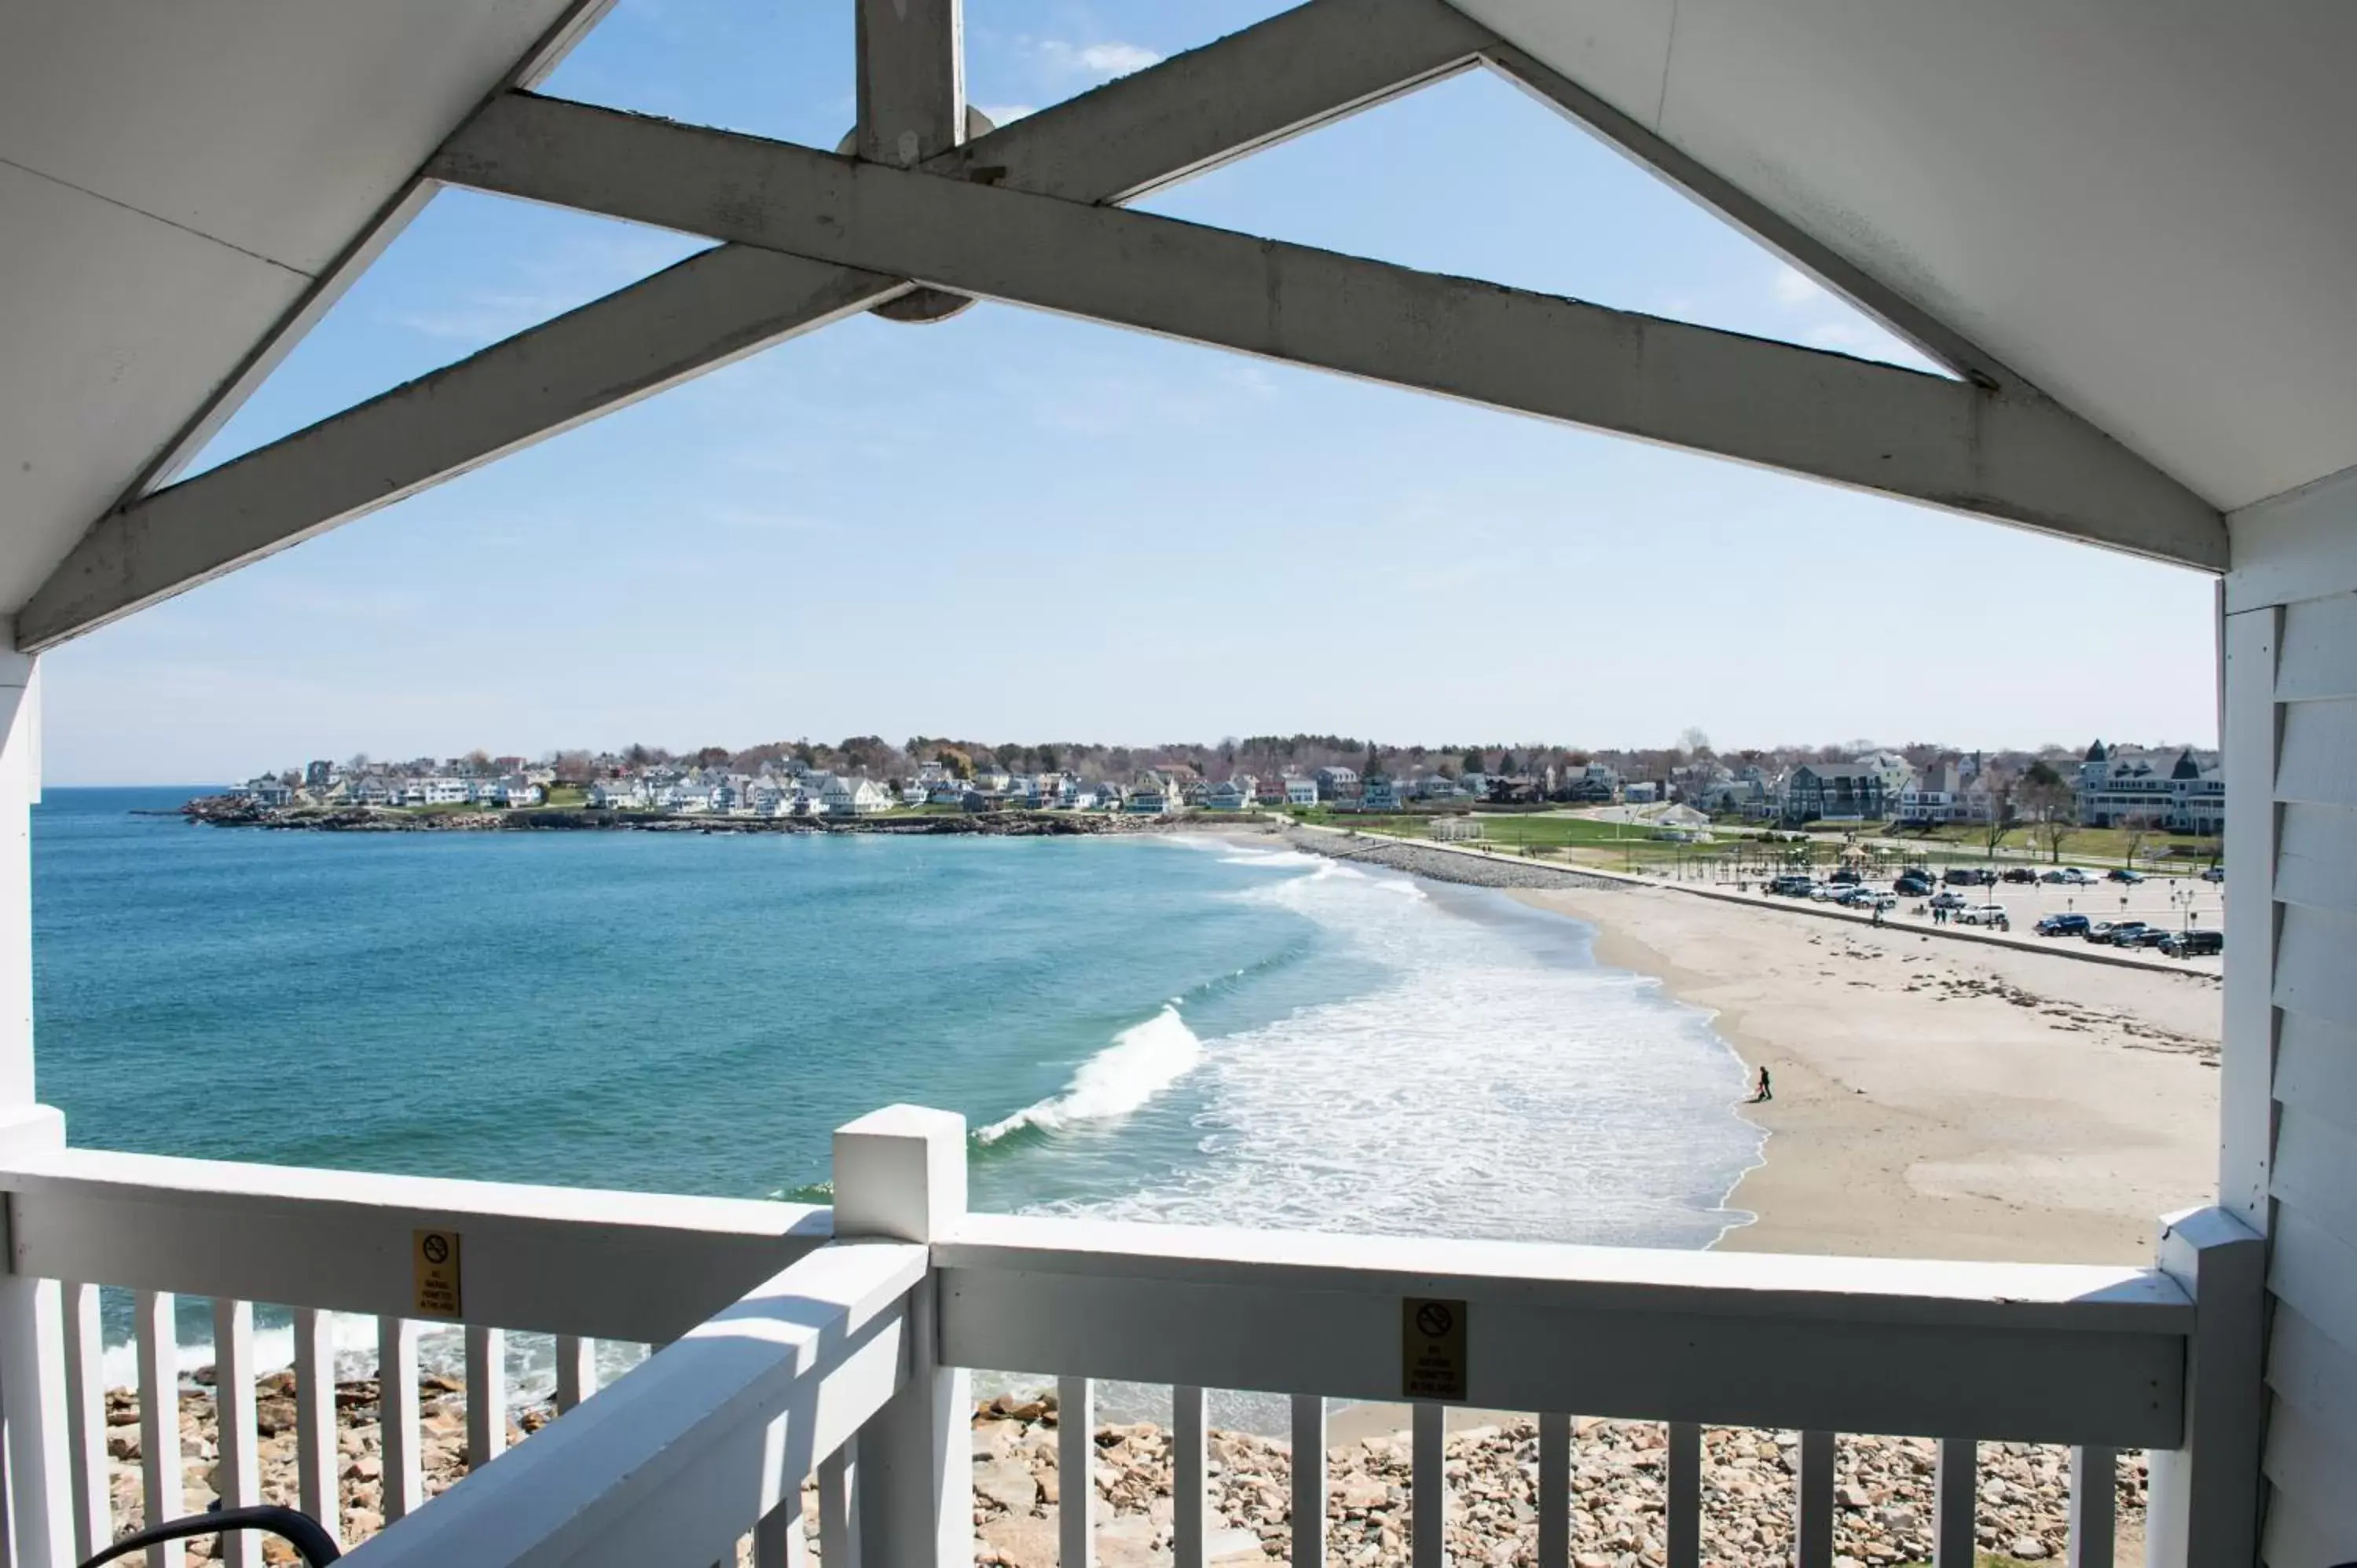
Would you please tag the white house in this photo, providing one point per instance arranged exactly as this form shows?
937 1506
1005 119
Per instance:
269 792
858 797
1300 791
1231 794
607 794
442 789
1152 796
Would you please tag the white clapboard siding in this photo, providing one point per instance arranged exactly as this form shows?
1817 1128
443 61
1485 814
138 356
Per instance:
2291 989
2313 972
2318 762
2313 857
2316 659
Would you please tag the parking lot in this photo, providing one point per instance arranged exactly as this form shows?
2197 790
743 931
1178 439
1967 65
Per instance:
2168 903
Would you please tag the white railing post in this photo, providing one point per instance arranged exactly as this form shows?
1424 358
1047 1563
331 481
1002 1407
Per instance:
1554 1490
2094 1488
838 1505
1428 1486
86 1414
236 1449
317 1460
2202 1508
1309 1481
576 1370
1076 1485
486 1395
900 1175
1955 1485
164 1485
33 1400
1190 1476
401 1446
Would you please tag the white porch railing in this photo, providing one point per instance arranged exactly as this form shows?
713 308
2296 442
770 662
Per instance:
847 1345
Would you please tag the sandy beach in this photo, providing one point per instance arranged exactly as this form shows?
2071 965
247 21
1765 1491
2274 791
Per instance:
1934 1098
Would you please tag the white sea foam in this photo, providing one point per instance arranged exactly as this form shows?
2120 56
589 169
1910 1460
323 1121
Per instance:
1143 1060
1487 1086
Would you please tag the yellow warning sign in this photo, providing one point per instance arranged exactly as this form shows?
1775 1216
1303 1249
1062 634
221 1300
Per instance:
435 1257
1432 1348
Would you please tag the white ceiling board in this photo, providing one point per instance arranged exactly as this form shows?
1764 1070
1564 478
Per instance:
114 328
279 127
2144 206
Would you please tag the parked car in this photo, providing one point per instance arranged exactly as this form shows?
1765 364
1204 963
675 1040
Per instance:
2122 874
2063 926
2101 931
2125 933
1948 901
2069 876
2194 944
1824 893
1912 885
1791 885
2214 874
1855 894
2020 874
1877 901
1968 876
1846 876
2150 937
1983 915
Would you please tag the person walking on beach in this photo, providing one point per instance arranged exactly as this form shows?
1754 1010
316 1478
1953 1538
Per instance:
1764 1092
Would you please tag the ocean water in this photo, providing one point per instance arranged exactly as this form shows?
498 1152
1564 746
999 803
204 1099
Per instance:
1155 1027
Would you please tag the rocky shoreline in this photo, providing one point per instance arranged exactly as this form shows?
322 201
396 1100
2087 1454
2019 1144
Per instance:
238 811
1883 1488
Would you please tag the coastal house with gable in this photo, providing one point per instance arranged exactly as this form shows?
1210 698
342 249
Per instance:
1381 792
1234 793
853 796
1300 790
2183 792
1337 784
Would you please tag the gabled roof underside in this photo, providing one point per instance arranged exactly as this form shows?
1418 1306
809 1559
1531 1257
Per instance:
2141 205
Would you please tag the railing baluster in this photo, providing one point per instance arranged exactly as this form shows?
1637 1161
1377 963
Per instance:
400 1442
838 1507
162 1483
2094 1494
240 1473
317 1459
778 1539
1076 1487
1428 1492
1953 1487
1683 1494
1189 1506
1813 1533
486 1395
576 1370
94 1520
1310 1481
1554 1491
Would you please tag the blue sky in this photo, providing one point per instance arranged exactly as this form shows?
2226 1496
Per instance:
1014 526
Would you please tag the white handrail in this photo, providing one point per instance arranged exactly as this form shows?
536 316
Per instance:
2019 1352
601 1264
680 1459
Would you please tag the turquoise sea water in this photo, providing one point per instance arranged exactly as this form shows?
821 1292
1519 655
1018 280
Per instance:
1147 1027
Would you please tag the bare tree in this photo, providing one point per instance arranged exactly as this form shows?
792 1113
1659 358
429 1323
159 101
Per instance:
2048 799
2136 827
1997 786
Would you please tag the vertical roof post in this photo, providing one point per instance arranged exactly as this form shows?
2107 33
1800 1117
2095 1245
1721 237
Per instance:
912 106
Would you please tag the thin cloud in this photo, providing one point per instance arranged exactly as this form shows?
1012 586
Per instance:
1795 288
1110 59
1007 113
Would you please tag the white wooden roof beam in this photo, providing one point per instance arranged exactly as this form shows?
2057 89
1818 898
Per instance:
2009 454
1190 113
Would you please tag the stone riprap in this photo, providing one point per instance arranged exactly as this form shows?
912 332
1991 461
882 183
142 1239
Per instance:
1883 1488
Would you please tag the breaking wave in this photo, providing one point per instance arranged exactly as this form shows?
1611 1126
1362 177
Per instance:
1143 1060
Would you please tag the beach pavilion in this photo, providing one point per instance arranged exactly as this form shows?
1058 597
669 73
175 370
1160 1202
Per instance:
2126 228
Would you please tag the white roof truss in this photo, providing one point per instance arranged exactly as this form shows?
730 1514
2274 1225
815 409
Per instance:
1025 215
